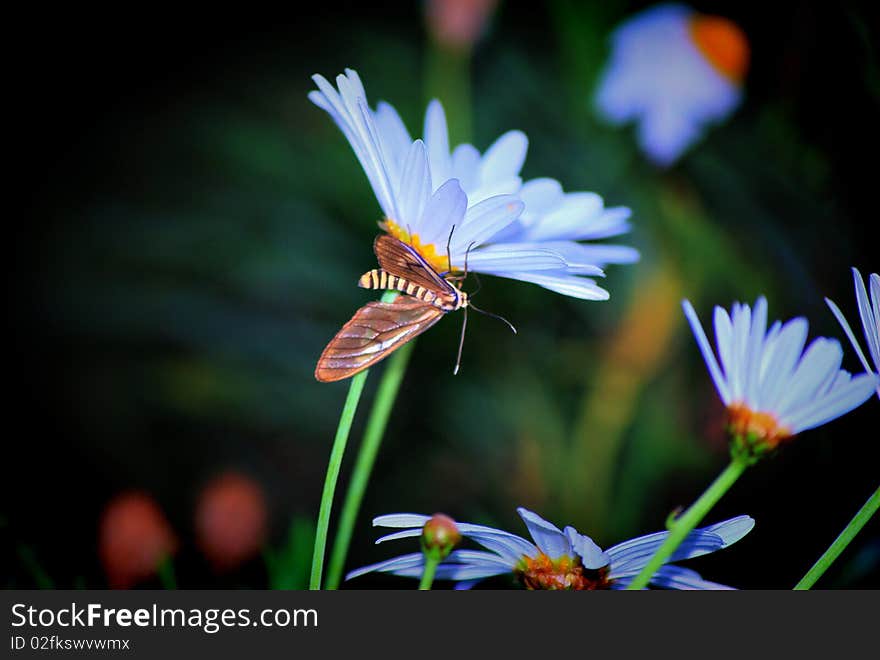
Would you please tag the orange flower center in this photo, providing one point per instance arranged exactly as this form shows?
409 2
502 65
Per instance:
760 427
566 572
440 262
723 44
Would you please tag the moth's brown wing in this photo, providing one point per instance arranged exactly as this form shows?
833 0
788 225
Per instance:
400 259
375 331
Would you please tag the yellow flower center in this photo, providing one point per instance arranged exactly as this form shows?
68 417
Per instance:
440 262
723 44
565 572
763 428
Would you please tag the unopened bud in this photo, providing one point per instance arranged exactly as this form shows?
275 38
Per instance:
439 536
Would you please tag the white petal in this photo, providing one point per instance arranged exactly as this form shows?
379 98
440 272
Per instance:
548 537
706 349
504 159
415 188
514 257
868 323
437 139
560 282
482 221
831 406
401 520
821 359
445 209
849 333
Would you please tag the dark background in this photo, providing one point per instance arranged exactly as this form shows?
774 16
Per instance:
186 230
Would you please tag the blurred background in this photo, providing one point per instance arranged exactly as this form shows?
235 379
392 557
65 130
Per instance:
187 234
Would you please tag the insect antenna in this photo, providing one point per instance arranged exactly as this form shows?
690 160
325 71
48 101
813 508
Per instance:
494 316
460 344
448 251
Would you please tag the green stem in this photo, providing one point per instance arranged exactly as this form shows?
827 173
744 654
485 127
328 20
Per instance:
431 564
690 519
376 424
165 569
345 419
29 559
848 534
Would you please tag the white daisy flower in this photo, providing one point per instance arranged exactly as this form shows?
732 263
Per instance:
551 219
869 311
431 197
557 559
672 71
772 387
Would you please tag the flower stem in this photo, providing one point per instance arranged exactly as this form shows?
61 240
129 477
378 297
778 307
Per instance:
165 570
431 564
378 420
348 410
691 518
848 534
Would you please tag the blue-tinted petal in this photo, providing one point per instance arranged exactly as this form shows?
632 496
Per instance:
869 322
482 221
401 520
560 282
514 257
548 537
706 350
505 157
675 577
509 547
591 554
840 401
849 333
446 208
415 559
437 139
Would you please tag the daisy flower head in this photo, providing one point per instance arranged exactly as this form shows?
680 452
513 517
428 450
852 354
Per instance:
869 312
772 386
672 71
452 206
554 558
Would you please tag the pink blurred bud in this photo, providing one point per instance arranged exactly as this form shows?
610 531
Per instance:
134 538
458 24
230 520
440 535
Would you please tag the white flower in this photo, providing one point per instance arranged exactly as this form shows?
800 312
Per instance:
558 559
772 387
431 197
869 311
672 71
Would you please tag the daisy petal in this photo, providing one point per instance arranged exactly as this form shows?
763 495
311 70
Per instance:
437 139
591 554
513 257
397 563
869 324
560 282
840 401
504 159
551 541
675 577
484 220
706 350
849 333
401 520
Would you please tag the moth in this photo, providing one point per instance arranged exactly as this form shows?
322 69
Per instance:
378 328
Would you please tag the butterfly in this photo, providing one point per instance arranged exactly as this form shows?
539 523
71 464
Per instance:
378 328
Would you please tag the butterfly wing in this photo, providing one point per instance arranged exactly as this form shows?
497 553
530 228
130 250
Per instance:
401 260
375 331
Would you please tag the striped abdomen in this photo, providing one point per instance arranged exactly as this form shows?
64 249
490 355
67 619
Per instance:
381 279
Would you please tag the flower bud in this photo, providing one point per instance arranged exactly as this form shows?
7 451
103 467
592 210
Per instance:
439 536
